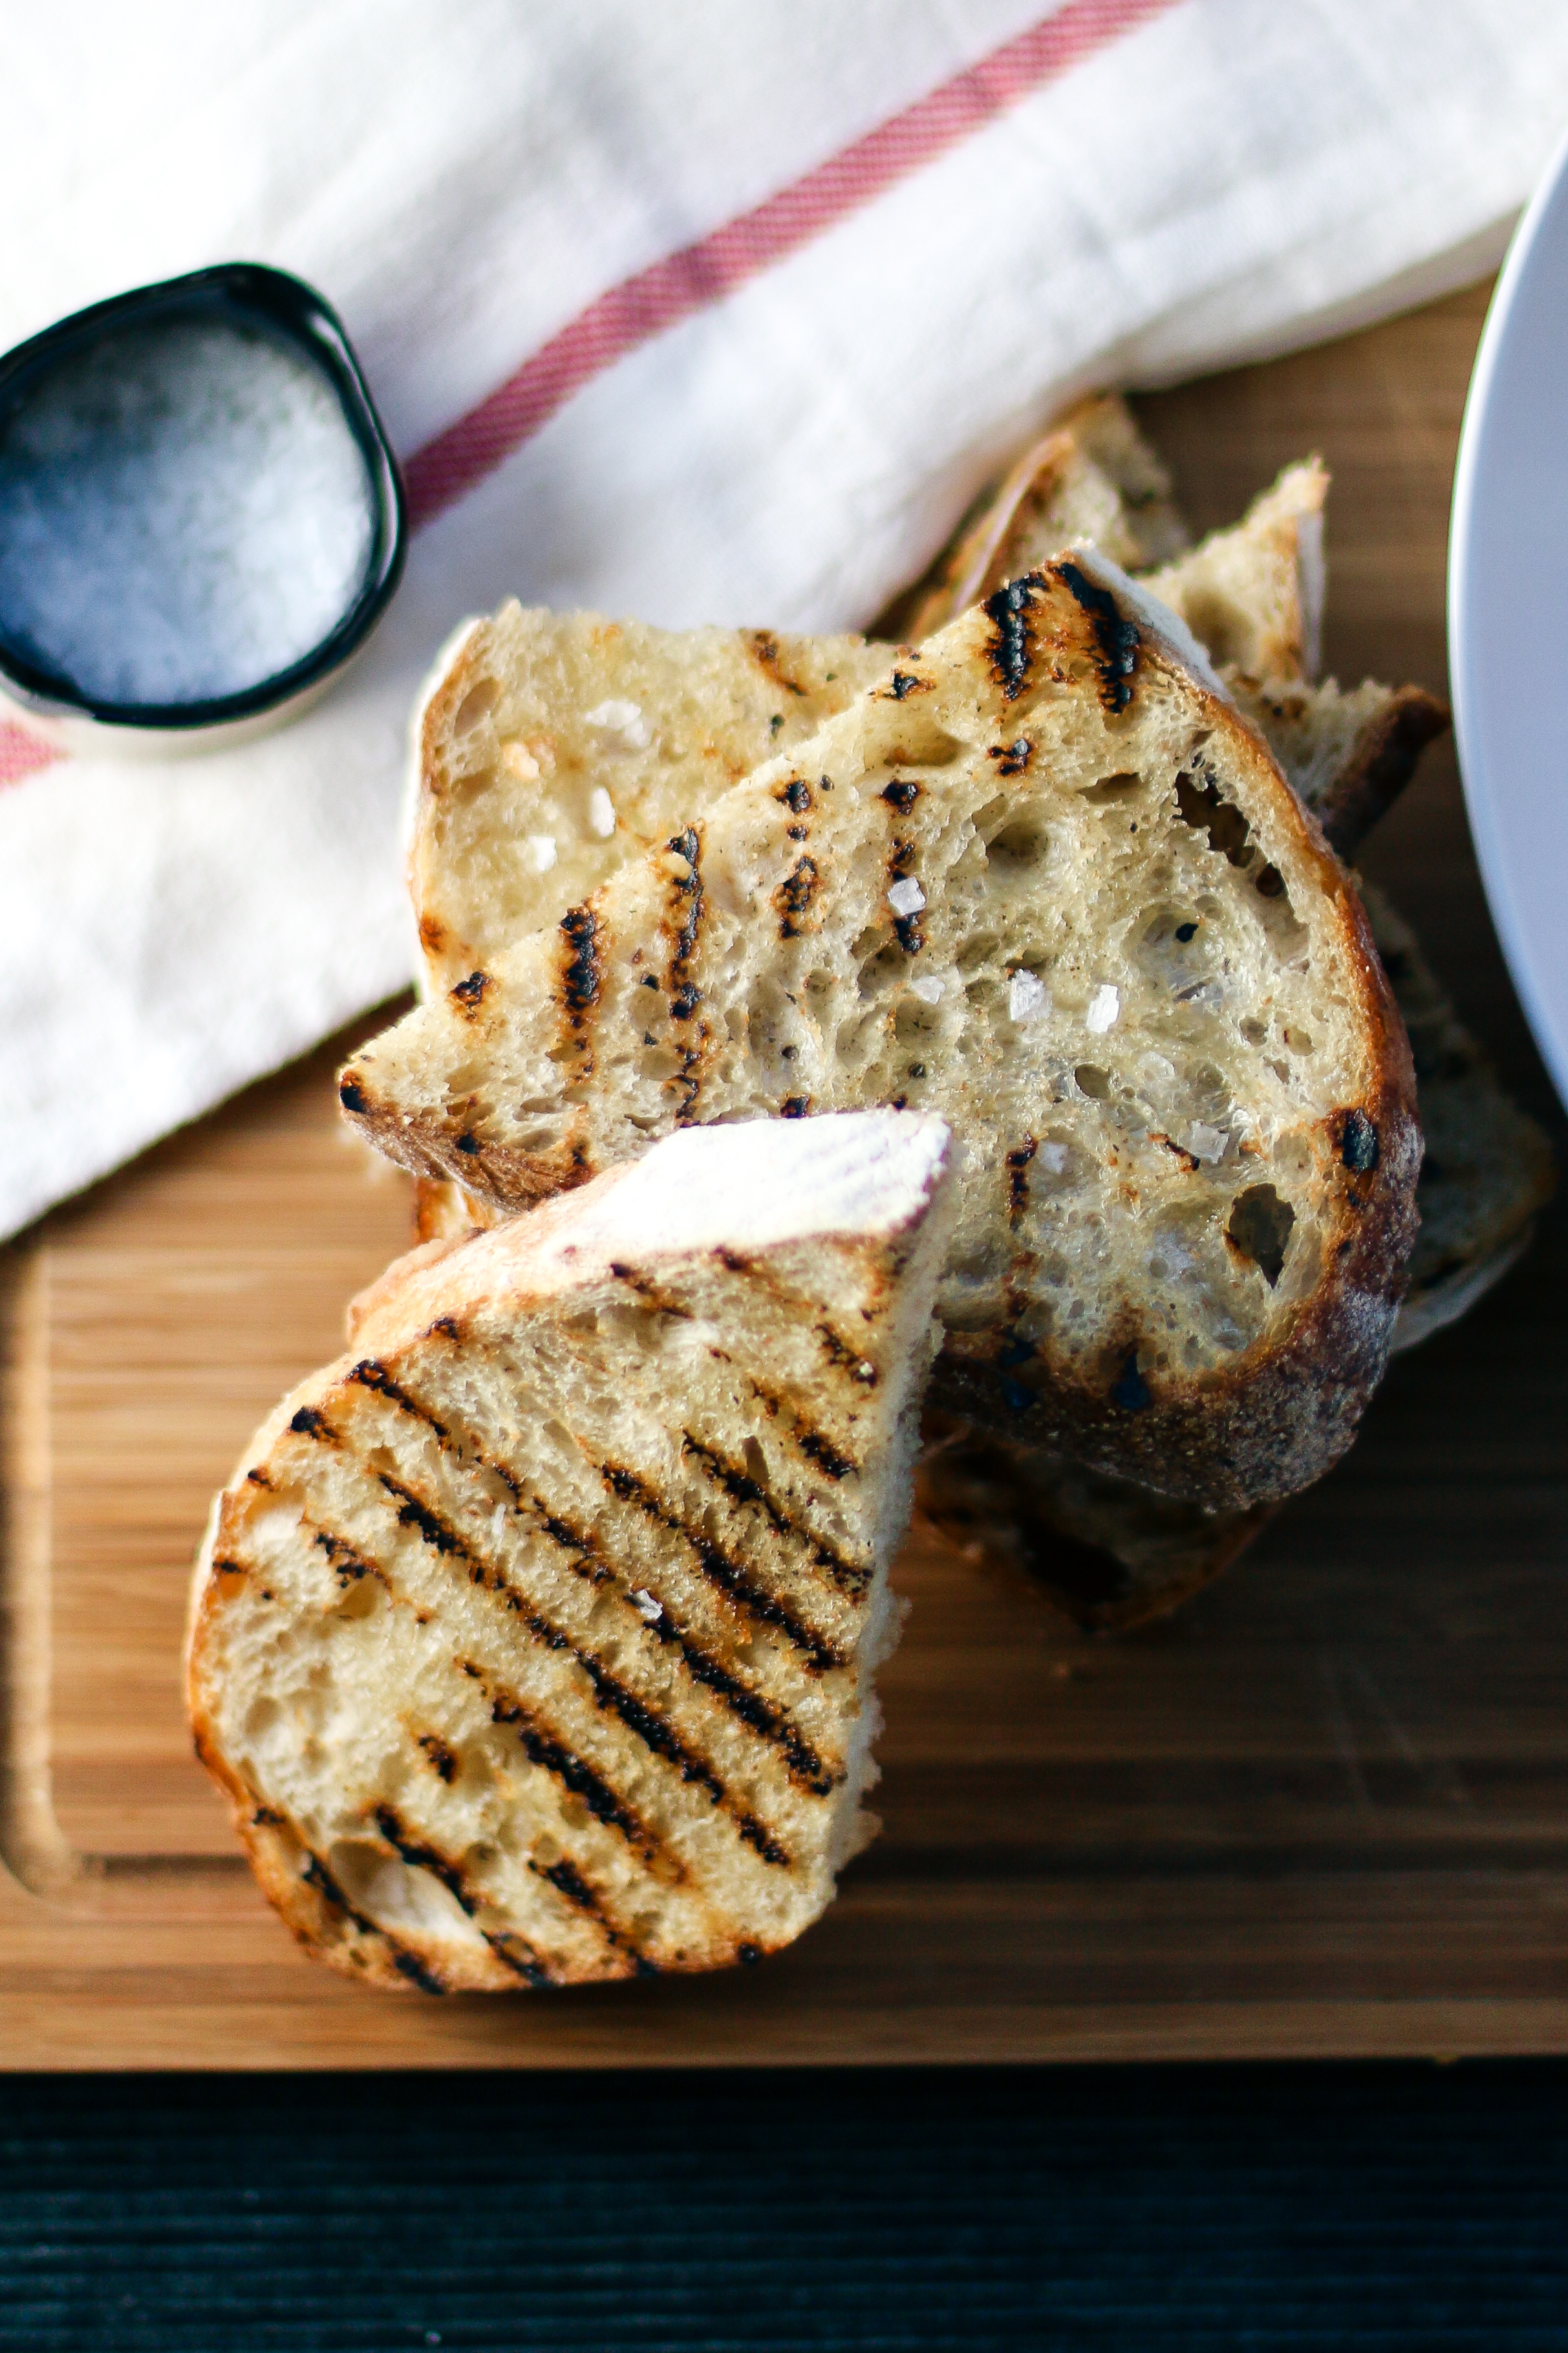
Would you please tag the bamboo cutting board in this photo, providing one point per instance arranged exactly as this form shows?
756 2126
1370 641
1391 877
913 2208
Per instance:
1326 1810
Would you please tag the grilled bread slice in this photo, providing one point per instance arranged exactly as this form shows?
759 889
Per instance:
1109 1554
1044 881
552 747
1092 477
1349 751
1489 1167
1112 1553
1254 594
533 1640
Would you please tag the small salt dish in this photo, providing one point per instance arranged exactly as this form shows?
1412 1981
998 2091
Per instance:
201 518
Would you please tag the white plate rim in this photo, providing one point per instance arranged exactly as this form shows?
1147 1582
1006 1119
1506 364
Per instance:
1491 807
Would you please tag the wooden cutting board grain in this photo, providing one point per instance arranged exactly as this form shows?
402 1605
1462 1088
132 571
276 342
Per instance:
1325 1809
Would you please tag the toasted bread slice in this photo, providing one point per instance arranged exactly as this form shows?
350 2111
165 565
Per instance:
1254 594
533 1640
1092 477
552 747
1349 752
1042 880
1489 1168
1112 1553
1109 1554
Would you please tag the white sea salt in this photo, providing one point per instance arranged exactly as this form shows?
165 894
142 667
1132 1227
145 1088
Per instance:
646 1605
1103 1007
927 987
539 852
1053 1156
622 720
1205 1142
906 898
184 513
1027 996
601 813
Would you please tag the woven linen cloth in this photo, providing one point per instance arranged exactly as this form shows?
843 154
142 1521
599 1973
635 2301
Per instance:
690 313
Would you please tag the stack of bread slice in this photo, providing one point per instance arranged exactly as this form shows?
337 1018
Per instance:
534 1641
502 842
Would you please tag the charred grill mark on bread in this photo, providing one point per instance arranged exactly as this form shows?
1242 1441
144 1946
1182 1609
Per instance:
1011 651
900 795
743 1489
348 1565
686 908
370 1374
569 1882
420 1856
545 1748
765 652
794 896
316 1875
637 1714
727 1575
812 1442
900 869
1018 1161
437 1755
1116 638
468 996
796 795
840 1352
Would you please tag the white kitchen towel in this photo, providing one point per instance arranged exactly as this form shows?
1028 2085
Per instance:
698 312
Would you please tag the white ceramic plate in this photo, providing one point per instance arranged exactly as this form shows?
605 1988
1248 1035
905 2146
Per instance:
1508 613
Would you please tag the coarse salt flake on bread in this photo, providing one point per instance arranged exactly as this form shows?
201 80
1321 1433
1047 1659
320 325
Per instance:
533 1640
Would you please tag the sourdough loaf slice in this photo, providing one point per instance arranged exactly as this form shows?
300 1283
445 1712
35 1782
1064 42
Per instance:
1349 752
552 747
1113 1554
1253 593
1092 477
1044 881
1109 1554
533 1640
1489 1167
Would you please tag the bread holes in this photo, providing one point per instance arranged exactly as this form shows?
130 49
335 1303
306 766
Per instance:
882 970
476 706
1092 1081
1259 1228
1174 946
1112 791
981 948
915 1023
363 1598
1019 848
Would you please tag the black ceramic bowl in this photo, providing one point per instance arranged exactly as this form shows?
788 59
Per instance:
201 518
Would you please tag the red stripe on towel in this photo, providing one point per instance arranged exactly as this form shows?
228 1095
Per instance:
629 315
22 754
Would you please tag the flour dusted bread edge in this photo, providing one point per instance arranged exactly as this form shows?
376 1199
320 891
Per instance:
554 1061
